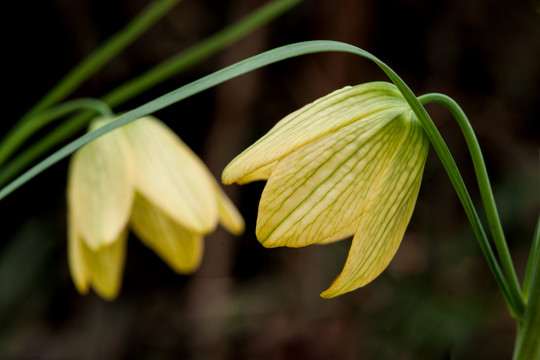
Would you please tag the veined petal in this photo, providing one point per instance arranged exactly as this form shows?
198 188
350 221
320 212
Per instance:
262 173
100 189
179 247
171 176
105 266
386 215
312 122
319 192
340 235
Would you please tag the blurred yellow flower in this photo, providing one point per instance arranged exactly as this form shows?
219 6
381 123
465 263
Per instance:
347 164
142 176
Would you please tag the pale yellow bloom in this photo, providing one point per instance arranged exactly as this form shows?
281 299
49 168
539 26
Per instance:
347 164
142 176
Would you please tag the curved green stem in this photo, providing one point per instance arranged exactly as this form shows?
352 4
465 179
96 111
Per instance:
55 137
484 186
535 251
528 334
167 69
199 52
106 52
86 68
29 127
514 300
510 292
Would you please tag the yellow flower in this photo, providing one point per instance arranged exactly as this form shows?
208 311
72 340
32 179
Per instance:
142 176
347 164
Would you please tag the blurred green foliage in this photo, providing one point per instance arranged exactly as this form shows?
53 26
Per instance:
437 300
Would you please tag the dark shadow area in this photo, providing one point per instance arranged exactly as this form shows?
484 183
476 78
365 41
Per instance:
437 299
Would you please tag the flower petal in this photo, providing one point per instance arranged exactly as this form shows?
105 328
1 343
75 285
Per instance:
171 176
262 173
346 232
100 189
105 266
319 192
312 122
386 216
229 216
179 247
77 264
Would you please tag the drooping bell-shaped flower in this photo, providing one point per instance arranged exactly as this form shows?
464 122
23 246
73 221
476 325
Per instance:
144 177
347 164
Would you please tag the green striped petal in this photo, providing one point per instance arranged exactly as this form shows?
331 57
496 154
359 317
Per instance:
312 122
171 176
319 192
262 173
100 189
350 163
386 214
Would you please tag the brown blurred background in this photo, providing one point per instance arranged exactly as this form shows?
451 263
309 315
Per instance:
437 300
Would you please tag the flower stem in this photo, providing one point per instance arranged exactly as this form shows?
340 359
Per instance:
29 127
510 292
535 250
84 70
528 334
58 135
515 303
285 52
112 47
167 69
484 186
199 52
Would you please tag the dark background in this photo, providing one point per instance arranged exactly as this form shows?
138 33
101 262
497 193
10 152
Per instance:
437 299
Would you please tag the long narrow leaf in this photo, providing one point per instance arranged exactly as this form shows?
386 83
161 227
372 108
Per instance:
175 65
181 93
513 298
118 42
86 68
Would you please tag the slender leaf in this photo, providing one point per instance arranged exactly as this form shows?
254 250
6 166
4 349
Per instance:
171 67
514 299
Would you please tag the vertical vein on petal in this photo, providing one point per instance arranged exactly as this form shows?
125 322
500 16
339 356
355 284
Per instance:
313 122
380 233
333 176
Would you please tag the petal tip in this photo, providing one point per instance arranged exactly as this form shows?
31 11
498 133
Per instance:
326 295
229 175
335 290
82 287
238 228
109 293
225 178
